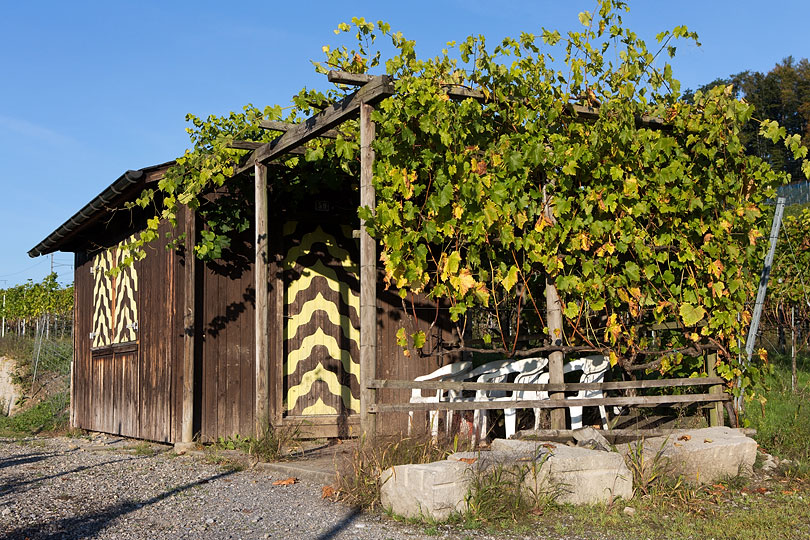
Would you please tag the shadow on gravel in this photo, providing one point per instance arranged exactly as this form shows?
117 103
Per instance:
339 526
24 460
16 482
89 525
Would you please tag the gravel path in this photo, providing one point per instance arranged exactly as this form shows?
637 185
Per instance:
70 488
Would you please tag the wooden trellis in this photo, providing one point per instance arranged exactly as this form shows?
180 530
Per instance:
373 89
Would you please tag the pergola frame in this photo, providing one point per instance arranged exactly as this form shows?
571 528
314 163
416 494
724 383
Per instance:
373 89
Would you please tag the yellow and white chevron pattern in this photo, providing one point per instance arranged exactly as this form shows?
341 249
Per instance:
126 306
115 307
102 298
321 334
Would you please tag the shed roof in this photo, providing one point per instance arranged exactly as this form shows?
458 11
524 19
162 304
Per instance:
70 235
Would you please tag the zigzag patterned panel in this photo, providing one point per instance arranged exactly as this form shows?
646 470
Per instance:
115 309
321 335
102 298
126 306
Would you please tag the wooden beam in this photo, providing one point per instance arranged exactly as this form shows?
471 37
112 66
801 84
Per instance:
376 90
262 260
635 401
245 145
368 278
612 435
189 287
344 77
276 125
532 387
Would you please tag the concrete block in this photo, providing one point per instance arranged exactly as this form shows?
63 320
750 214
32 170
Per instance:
433 490
588 437
706 455
574 475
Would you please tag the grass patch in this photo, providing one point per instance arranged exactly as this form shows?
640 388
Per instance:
783 421
275 442
49 416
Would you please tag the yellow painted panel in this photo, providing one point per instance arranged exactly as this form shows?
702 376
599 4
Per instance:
335 388
331 344
319 303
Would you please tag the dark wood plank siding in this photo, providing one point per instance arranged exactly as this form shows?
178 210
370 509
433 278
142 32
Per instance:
82 313
226 343
157 298
392 362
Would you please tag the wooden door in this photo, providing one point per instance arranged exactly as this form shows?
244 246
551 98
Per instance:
321 336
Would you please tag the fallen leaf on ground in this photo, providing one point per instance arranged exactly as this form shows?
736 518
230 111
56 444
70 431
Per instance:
468 460
707 440
677 444
537 511
548 445
286 482
327 492
684 437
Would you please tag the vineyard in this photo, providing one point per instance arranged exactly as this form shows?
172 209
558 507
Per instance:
31 307
36 340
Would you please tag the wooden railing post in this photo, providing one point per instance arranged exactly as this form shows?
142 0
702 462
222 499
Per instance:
261 415
368 279
555 331
716 410
189 286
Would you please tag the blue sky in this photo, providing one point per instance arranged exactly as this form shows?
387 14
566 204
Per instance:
90 89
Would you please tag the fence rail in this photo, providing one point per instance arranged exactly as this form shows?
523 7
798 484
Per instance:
715 396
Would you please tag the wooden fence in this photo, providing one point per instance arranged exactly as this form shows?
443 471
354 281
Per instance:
715 396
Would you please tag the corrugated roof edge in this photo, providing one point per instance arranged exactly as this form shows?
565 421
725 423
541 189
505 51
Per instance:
98 205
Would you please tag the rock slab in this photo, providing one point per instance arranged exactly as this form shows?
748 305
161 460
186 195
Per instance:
434 490
706 455
572 475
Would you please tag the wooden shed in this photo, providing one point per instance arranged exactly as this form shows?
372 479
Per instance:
167 345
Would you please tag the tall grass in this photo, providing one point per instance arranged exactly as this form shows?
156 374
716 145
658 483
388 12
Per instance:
783 421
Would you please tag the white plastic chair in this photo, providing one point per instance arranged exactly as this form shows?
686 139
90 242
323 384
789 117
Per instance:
593 371
444 373
527 377
497 371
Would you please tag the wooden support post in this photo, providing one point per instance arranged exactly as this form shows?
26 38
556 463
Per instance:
716 410
555 359
555 331
189 283
368 279
261 414
794 379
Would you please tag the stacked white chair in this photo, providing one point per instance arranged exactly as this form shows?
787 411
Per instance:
450 372
593 371
494 372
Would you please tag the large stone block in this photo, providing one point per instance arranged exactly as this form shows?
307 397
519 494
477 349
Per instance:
704 455
574 475
432 490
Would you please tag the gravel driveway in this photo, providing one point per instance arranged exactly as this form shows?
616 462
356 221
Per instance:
66 488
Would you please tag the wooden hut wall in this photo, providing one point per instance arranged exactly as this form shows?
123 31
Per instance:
128 385
225 322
